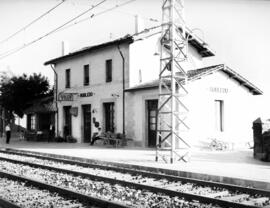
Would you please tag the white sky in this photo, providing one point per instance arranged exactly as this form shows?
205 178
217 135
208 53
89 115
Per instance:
237 30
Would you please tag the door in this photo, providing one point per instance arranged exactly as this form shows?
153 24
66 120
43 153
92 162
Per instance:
152 106
67 126
109 116
86 123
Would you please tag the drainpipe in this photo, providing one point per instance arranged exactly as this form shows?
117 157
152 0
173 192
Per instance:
123 82
56 98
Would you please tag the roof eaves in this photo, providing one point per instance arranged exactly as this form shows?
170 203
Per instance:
221 67
242 81
126 39
141 88
211 70
202 47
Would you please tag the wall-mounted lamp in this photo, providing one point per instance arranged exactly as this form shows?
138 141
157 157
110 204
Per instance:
115 95
94 110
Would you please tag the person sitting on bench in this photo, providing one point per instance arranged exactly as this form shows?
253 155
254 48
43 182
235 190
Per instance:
96 136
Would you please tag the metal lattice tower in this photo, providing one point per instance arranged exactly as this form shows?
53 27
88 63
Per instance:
172 112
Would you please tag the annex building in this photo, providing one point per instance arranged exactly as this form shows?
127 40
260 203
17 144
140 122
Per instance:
114 85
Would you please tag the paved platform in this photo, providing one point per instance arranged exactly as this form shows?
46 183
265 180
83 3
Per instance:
238 164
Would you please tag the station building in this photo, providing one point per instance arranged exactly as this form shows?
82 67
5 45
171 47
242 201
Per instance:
114 85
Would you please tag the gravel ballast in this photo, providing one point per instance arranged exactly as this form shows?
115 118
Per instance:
112 192
30 197
179 186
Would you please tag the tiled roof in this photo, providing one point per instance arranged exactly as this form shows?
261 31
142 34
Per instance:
125 39
42 105
195 41
199 73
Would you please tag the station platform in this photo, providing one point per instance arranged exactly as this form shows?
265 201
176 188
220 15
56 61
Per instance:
235 166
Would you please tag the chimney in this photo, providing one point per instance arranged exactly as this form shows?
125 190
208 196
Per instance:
139 24
64 48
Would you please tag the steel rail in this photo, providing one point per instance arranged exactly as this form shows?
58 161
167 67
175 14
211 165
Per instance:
64 192
230 187
7 204
171 193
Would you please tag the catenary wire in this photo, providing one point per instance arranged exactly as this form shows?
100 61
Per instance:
97 14
51 32
31 23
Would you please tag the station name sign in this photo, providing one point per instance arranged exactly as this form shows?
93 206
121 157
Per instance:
219 89
65 96
86 94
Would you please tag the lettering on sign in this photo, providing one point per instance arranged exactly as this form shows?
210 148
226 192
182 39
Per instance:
219 89
86 94
65 97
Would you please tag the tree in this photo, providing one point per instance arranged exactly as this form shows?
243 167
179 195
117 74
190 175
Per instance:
18 91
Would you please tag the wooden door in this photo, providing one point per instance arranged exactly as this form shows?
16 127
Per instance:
68 122
86 123
109 116
152 106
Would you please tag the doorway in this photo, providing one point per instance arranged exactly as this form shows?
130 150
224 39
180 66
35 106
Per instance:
152 106
86 123
67 125
109 117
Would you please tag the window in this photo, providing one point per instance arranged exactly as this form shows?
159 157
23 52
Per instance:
108 70
67 78
219 115
140 75
86 75
109 116
33 122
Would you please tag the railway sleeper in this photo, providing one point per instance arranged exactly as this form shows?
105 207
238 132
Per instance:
171 193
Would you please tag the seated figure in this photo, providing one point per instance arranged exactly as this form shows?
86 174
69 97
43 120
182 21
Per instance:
96 136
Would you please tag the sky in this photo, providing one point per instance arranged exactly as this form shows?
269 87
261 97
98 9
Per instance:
237 30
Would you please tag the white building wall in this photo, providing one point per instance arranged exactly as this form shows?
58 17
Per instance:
136 117
239 112
145 57
140 56
102 91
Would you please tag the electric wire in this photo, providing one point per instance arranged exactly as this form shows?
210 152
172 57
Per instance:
31 23
97 14
51 32
151 19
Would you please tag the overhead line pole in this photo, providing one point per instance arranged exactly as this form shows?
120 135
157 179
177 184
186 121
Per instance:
172 111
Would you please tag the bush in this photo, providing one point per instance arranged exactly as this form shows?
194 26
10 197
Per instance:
59 139
71 139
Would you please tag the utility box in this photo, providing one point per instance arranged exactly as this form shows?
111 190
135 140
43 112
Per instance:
261 136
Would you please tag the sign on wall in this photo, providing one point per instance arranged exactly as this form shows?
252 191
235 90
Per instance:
219 89
86 94
65 96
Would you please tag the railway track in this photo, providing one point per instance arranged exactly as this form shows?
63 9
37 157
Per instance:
7 204
20 192
210 194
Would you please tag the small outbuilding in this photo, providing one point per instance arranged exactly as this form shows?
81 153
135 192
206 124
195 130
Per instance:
220 102
40 115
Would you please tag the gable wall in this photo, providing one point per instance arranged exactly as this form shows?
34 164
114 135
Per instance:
145 56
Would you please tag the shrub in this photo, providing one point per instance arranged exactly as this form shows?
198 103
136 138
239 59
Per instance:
71 139
59 139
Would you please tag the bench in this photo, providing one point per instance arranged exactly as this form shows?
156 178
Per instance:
114 139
